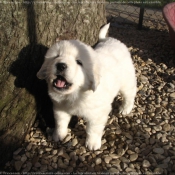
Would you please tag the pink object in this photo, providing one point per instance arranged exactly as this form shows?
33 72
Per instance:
169 16
60 83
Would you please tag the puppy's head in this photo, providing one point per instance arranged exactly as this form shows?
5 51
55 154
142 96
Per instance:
70 66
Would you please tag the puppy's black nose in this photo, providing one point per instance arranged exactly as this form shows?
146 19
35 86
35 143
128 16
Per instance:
61 66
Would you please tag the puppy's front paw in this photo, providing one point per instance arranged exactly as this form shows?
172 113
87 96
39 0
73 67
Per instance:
93 142
125 109
59 134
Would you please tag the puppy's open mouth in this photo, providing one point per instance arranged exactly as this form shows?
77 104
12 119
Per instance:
61 83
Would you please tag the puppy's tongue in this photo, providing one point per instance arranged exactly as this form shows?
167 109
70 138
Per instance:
60 83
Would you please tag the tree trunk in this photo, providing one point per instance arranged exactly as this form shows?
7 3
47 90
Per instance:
27 29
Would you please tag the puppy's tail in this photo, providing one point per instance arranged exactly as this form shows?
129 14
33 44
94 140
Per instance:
103 31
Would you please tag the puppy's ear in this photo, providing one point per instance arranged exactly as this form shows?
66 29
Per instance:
52 53
91 66
41 74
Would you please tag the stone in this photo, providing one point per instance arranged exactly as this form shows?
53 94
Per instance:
113 170
73 156
61 164
90 169
44 162
128 135
164 139
147 129
41 151
164 166
138 121
158 150
144 79
54 165
120 152
107 159
17 151
18 165
48 149
116 163
111 143
72 163
152 141
66 156
97 152
166 127
82 158
74 142
37 164
158 135
23 158
28 167
103 141
147 150
29 146
16 157
147 136
43 168
128 169
157 128
54 152
130 152
172 95
133 157
114 156
98 168
82 150
158 110
31 133
167 160
118 131
70 169
98 161
60 152
131 165
146 164
158 170
159 157
68 137
35 135
28 154
35 140
27 138
124 165
104 147
111 137
152 159
35 159
124 160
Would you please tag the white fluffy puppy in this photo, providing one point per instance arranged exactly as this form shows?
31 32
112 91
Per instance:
84 81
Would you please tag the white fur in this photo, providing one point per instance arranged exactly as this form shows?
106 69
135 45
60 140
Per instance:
103 31
106 70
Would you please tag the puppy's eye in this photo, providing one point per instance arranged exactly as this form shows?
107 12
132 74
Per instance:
56 56
79 62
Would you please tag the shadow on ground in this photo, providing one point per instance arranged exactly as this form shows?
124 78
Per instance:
147 43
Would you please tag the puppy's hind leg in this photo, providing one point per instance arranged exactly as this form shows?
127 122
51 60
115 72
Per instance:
62 120
128 100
